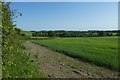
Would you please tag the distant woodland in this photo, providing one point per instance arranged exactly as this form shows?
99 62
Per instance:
62 33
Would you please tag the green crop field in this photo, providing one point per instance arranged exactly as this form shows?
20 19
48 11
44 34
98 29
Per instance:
102 51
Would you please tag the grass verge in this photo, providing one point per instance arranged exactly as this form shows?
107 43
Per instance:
18 65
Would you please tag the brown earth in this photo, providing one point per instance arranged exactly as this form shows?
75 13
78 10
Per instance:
58 65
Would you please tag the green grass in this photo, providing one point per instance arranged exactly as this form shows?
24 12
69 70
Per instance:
27 33
19 65
102 51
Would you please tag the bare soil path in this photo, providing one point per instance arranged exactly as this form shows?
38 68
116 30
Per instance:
58 65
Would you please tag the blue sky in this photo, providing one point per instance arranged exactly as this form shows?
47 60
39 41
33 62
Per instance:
67 15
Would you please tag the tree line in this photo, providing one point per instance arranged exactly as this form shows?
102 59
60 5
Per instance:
62 33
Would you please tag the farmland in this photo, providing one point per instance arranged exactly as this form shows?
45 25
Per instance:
102 51
57 48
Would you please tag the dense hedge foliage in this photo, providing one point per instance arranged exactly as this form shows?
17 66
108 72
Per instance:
16 64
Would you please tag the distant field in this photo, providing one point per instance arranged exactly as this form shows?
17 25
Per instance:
27 33
39 38
98 50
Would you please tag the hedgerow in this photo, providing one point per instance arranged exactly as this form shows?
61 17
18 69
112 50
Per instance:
15 62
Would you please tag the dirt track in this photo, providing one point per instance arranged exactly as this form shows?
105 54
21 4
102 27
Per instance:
58 65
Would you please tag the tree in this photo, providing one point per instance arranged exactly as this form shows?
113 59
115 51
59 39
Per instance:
100 33
22 34
17 30
51 34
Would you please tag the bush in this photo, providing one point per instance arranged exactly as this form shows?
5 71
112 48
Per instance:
16 64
